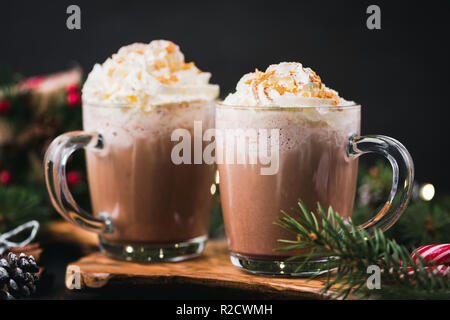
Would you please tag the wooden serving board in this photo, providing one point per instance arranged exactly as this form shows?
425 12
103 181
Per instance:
213 268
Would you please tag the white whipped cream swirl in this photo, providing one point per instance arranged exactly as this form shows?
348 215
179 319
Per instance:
287 84
148 74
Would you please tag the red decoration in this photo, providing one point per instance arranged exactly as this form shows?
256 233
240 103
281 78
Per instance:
5 177
74 178
31 83
73 88
74 99
442 269
438 254
5 106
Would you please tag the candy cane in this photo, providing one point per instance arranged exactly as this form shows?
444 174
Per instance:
442 269
438 254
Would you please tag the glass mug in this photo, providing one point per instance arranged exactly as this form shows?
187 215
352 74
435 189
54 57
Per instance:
316 150
146 208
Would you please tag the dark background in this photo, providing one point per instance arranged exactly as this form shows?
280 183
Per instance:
400 74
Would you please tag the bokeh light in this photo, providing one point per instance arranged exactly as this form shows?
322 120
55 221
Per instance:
427 192
213 189
217 177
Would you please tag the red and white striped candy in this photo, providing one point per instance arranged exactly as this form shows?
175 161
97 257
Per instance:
438 254
442 269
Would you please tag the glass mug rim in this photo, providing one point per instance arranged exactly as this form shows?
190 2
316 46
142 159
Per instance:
97 104
352 106
118 105
221 104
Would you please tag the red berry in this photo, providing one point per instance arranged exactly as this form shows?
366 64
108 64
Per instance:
73 99
74 178
5 106
73 88
5 177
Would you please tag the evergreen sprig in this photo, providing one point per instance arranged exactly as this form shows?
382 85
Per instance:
19 205
350 251
32 121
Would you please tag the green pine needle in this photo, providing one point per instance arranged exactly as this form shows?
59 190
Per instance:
351 250
19 205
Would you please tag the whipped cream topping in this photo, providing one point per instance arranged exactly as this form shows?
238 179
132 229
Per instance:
287 84
148 74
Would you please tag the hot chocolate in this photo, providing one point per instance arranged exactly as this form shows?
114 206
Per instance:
312 125
146 207
314 148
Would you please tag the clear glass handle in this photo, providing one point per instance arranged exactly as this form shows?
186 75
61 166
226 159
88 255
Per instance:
402 180
55 161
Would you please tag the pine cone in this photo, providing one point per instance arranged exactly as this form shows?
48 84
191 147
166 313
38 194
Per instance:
18 276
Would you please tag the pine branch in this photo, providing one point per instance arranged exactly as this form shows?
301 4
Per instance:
350 251
19 205
7 90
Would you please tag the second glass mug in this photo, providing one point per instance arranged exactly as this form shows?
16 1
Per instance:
318 150
146 208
